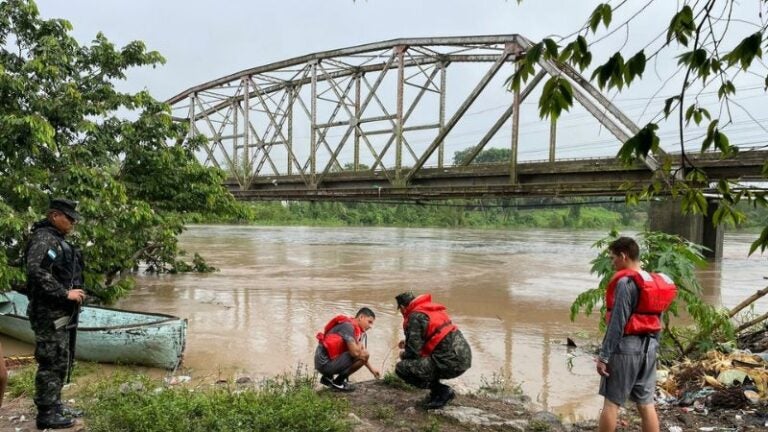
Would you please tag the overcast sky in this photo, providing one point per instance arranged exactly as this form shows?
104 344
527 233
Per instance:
204 40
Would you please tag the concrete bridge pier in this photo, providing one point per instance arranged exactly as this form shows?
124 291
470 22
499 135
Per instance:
667 216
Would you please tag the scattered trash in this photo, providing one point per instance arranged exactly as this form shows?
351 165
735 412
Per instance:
13 362
732 377
733 398
752 396
180 379
664 398
708 387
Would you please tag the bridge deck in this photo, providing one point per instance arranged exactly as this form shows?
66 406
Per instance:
592 177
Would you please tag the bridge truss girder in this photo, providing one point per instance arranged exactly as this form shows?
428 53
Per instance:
290 122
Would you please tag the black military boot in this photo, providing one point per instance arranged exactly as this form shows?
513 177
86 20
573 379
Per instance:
441 394
68 411
48 418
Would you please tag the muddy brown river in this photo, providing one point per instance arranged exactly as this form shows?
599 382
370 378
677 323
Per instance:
509 292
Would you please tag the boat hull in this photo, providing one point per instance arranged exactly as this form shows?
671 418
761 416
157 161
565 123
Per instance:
108 335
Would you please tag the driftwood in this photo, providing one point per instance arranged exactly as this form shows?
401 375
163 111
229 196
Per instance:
750 323
755 341
747 302
731 313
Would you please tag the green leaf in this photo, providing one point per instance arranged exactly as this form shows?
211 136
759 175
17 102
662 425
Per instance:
682 26
761 242
689 113
642 143
525 67
725 89
551 48
668 105
611 73
556 96
746 51
577 53
635 67
710 136
722 143
607 15
600 14
697 113
696 175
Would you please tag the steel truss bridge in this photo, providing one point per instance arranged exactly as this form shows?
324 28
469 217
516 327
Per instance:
372 121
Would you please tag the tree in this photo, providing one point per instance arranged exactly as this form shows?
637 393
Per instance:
61 134
700 36
490 155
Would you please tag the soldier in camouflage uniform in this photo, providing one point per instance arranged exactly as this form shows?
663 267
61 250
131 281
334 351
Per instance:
433 348
54 283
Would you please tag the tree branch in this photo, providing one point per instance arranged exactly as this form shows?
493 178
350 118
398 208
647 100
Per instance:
749 324
747 302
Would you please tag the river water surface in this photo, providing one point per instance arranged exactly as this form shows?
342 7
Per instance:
509 292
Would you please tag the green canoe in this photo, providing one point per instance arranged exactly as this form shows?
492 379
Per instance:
108 335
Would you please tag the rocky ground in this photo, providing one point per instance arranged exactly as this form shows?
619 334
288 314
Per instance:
377 406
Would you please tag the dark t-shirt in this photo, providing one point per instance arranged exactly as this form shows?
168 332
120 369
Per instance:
347 332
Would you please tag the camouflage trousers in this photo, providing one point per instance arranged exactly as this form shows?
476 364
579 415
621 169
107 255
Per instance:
423 372
52 356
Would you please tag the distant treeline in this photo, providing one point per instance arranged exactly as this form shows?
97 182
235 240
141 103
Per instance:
532 213
586 213
578 213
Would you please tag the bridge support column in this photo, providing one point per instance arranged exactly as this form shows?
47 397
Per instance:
667 216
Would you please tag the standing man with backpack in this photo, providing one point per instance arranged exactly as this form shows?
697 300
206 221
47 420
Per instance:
55 290
341 351
635 300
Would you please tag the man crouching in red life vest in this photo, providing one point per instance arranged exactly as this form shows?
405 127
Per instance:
433 348
635 300
341 352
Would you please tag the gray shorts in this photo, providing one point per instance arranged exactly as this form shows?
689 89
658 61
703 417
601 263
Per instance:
326 366
632 370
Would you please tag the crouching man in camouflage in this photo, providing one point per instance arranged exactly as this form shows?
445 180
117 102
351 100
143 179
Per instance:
433 348
54 284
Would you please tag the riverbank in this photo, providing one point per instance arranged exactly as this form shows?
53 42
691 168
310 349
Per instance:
508 213
125 400
496 213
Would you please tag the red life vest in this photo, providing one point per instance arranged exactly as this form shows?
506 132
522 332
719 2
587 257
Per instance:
334 344
657 291
439 326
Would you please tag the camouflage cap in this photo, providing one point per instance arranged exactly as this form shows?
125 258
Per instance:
404 299
68 207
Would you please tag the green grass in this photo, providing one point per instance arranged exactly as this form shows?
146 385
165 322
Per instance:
124 402
499 385
21 382
538 426
394 381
